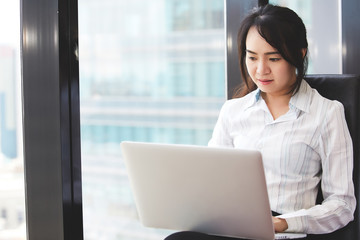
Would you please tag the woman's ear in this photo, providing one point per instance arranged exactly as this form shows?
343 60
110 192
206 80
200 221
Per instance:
304 51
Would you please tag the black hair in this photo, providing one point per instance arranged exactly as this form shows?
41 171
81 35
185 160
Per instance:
284 30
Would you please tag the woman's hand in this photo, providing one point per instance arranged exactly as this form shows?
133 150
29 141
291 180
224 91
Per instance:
280 224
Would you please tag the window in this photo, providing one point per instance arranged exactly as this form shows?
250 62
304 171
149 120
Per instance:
12 195
35 14
149 71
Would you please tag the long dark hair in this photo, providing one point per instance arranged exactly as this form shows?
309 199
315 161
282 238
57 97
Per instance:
284 30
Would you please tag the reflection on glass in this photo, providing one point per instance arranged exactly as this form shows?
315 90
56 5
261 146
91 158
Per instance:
149 71
322 19
12 195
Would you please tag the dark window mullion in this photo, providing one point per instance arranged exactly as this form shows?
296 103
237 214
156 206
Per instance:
235 11
51 119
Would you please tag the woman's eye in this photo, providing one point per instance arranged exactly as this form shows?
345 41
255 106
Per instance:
275 59
252 58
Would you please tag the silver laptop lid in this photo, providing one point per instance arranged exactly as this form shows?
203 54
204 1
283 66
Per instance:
218 191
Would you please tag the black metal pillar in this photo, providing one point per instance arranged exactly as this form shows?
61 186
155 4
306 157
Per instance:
50 82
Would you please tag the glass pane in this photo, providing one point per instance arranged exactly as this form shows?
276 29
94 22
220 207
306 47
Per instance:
12 194
322 19
149 71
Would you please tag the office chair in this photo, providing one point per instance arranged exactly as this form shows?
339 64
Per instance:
345 89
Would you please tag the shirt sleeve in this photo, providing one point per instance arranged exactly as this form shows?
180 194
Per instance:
221 136
336 152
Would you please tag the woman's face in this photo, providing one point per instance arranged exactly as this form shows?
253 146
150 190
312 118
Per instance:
267 68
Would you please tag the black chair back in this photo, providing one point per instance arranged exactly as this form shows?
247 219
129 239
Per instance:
345 89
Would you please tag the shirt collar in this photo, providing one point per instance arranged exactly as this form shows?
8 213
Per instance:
254 97
300 100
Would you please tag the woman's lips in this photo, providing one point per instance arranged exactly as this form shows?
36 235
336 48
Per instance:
265 81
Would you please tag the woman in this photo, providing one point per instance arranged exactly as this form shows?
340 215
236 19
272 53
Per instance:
302 136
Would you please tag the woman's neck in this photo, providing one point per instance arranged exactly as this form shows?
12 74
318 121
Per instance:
278 105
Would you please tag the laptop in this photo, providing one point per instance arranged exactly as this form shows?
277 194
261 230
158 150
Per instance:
218 191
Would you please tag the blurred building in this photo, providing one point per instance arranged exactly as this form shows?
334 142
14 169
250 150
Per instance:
8 108
12 196
149 71
12 193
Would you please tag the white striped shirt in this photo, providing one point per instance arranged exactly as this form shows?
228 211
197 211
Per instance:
308 143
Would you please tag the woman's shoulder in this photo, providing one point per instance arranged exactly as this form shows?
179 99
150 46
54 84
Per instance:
317 97
320 102
242 102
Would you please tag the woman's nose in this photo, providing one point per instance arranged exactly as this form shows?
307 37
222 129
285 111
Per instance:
262 68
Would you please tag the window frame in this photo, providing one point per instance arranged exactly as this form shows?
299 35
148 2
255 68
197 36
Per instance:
51 119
